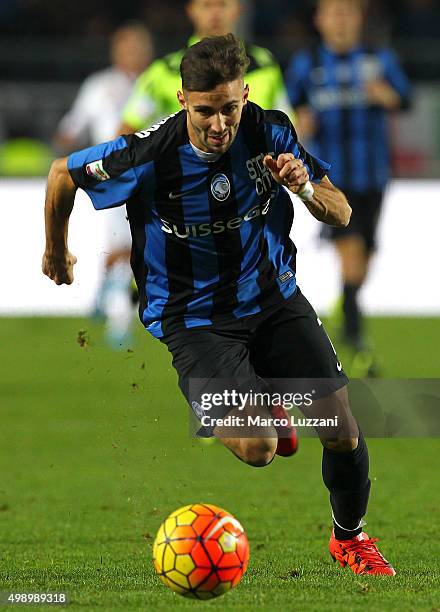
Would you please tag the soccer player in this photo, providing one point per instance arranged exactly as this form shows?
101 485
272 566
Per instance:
154 94
342 91
208 200
94 118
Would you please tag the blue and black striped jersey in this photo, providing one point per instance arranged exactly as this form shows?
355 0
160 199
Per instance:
350 132
210 239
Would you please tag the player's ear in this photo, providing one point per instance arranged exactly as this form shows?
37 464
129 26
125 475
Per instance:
245 94
181 99
189 10
317 18
238 10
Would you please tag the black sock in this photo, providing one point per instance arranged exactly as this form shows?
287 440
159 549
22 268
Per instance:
352 315
346 477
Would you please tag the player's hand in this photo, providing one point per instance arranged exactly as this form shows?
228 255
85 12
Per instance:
380 93
287 171
306 123
59 268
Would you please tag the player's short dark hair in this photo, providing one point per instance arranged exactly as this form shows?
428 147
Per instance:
213 61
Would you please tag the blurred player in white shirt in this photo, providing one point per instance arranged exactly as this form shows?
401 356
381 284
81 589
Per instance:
93 118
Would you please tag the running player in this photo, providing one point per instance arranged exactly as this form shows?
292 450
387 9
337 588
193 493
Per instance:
154 94
210 215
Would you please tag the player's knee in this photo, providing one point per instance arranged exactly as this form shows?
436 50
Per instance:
341 445
258 452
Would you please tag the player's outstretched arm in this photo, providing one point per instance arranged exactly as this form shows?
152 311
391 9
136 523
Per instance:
57 261
324 201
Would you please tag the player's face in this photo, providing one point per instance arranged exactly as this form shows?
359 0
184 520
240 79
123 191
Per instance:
340 23
132 50
213 116
213 17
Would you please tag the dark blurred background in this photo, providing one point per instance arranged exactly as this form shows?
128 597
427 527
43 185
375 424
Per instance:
47 48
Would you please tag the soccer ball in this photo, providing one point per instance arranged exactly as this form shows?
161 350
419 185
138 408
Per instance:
201 551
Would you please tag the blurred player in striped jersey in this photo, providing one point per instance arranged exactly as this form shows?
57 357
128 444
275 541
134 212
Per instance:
342 91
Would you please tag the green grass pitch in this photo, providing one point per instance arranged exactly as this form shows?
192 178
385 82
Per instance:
94 453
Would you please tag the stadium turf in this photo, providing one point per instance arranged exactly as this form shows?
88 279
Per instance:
94 453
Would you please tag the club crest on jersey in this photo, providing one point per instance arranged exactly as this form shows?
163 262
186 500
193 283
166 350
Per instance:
96 170
220 187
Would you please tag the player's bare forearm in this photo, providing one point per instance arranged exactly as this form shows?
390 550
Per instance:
380 92
60 195
305 123
57 262
329 204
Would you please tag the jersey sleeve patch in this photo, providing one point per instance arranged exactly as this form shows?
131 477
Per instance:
96 170
110 173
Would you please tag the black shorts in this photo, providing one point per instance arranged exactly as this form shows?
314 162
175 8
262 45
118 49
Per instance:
286 341
365 214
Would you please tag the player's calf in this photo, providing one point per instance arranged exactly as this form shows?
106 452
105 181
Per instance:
251 437
342 432
257 452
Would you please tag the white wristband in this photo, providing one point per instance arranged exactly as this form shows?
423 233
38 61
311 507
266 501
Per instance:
306 192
